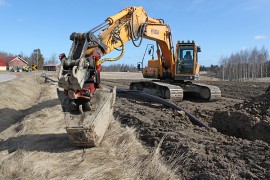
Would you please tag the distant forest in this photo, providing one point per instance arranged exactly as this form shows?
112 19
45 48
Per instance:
119 68
246 64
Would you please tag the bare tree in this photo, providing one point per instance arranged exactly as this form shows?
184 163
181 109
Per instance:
119 68
5 54
53 59
245 64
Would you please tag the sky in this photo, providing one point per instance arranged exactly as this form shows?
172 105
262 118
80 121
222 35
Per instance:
219 27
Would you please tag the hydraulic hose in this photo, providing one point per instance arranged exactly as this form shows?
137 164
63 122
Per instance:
192 118
117 58
138 35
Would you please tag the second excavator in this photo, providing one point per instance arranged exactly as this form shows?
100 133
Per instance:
83 98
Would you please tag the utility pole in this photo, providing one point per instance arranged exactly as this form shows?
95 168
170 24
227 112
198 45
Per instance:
36 53
37 58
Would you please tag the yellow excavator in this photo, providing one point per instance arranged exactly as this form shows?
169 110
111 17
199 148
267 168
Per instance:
175 75
88 106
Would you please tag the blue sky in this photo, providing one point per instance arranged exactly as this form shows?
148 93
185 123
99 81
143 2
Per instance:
219 27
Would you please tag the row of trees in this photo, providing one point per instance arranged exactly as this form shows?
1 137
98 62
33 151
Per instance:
119 68
5 54
246 64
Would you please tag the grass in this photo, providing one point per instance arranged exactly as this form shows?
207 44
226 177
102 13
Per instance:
120 156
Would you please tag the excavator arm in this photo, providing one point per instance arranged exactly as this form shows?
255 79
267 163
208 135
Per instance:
130 24
86 105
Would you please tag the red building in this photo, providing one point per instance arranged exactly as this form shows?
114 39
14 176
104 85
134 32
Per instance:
3 65
8 63
17 61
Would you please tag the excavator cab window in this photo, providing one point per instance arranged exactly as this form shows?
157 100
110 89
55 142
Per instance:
185 60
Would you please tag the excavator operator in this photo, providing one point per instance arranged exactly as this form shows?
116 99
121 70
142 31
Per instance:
188 57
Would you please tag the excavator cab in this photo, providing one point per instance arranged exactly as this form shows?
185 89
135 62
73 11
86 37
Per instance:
187 67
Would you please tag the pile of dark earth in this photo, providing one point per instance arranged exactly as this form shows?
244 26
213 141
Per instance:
239 151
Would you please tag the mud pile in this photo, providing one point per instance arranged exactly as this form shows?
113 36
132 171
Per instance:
249 120
198 153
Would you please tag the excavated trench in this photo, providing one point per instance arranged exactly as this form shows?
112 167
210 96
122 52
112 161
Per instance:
248 120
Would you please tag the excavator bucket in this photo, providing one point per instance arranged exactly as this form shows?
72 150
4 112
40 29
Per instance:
86 129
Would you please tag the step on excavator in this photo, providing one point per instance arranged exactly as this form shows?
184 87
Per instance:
88 106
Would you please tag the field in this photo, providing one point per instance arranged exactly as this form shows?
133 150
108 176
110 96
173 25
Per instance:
145 141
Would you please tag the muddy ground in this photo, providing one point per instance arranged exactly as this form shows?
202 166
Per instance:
236 147
33 142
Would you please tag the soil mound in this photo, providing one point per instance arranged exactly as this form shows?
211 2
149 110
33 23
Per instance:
249 120
197 153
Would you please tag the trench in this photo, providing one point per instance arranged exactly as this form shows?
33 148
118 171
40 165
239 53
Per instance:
241 125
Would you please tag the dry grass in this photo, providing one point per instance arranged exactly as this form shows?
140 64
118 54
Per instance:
138 163
36 147
121 156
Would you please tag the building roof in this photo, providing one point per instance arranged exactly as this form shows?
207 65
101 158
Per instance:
8 59
2 61
19 59
3 64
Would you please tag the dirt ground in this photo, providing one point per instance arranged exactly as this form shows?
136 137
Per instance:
33 142
237 147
